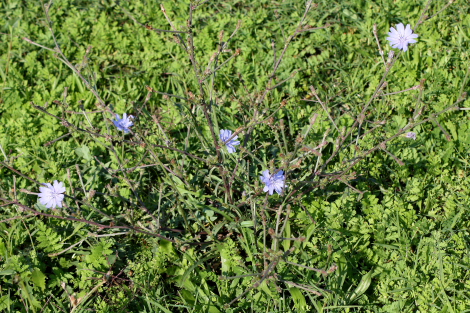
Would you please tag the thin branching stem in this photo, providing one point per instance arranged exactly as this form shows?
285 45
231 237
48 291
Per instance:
92 223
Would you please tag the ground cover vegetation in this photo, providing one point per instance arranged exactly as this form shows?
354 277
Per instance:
275 156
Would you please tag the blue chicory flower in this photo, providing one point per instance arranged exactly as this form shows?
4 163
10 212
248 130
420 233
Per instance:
225 136
401 37
51 196
411 135
124 123
273 182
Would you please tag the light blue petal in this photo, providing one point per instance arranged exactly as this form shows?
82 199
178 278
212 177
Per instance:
49 202
266 176
401 28
43 200
44 190
271 190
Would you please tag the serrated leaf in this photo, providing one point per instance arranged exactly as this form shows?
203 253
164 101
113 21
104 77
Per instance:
452 129
48 238
99 253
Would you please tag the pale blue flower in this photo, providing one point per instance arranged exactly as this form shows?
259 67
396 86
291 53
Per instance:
51 196
275 182
401 37
225 136
411 135
124 123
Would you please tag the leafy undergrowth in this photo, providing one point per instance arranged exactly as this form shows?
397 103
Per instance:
388 233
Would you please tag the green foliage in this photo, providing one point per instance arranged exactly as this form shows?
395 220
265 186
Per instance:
180 225
48 239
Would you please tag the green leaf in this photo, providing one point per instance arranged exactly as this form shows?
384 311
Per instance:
247 224
362 287
84 153
187 296
99 253
112 259
213 309
225 260
5 303
167 247
299 299
161 307
452 129
287 234
38 278
3 249
48 239
7 272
